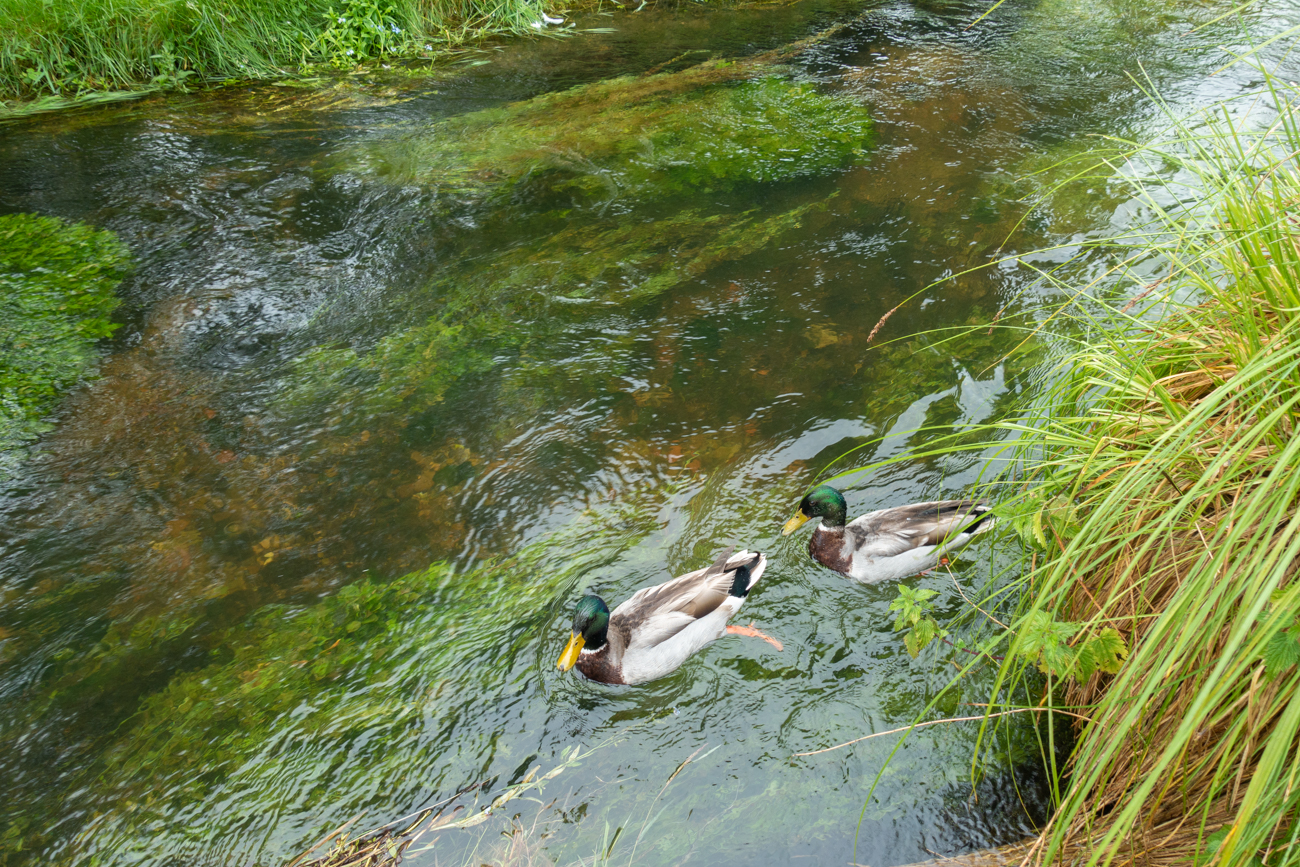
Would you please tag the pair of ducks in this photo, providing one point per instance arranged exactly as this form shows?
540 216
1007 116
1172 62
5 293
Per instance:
660 627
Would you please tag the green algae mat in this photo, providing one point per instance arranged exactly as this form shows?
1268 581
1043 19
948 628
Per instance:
57 285
553 178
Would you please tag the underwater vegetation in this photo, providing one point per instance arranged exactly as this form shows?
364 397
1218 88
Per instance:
580 157
57 283
706 129
502 305
375 666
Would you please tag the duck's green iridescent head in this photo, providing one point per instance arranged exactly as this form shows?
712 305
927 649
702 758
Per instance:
822 502
590 625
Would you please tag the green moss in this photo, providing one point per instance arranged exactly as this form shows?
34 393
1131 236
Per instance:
521 296
56 296
706 129
290 690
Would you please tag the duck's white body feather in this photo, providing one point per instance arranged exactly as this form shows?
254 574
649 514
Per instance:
660 627
890 544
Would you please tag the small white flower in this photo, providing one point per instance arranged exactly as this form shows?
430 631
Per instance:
549 20
396 29
428 48
349 52
342 20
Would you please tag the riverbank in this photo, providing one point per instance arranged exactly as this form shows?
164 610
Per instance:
1157 485
65 51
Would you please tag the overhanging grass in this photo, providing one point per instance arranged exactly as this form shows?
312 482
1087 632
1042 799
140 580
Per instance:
71 47
1160 474
1156 486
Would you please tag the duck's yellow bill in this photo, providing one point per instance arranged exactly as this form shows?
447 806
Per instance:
570 655
794 524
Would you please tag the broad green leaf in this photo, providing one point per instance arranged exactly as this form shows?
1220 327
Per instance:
1107 650
1280 653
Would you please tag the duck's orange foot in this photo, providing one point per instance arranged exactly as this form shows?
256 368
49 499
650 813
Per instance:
754 633
943 562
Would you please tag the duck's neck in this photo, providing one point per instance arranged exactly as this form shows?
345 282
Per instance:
824 534
835 517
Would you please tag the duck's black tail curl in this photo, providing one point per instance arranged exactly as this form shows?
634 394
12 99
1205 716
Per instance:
740 584
985 513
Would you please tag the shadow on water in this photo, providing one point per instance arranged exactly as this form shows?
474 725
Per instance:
408 363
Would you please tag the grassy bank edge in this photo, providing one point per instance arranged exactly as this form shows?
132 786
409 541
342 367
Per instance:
63 53
1155 485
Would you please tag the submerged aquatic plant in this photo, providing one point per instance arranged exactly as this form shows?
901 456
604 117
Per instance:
522 296
395 663
659 138
57 292
705 129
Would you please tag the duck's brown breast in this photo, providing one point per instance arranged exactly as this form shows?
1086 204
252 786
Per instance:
827 548
599 666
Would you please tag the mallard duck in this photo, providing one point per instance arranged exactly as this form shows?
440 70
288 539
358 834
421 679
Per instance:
659 628
891 543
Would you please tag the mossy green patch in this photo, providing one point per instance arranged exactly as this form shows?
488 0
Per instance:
553 176
383 668
706 129
521 296
57 286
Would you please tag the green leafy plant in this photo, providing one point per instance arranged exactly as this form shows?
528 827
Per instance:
1045 642
362 30
915 612
1040 640
1282 648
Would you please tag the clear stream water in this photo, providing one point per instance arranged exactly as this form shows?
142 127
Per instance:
359 345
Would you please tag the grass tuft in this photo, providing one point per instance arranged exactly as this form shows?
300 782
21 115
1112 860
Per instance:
1155 485
1159 480
68 48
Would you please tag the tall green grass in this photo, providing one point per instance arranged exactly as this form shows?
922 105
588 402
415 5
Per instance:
1160 476
1155 485
73 47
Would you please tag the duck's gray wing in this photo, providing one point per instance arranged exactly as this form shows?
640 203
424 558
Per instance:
655 614
890 532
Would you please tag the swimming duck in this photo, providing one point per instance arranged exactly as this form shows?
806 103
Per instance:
891 543
659 628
